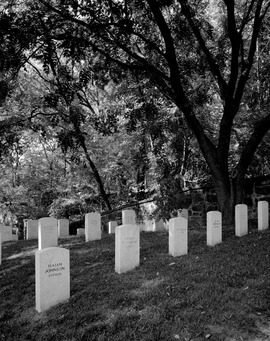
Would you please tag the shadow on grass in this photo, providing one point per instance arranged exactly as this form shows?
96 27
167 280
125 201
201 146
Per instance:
216 293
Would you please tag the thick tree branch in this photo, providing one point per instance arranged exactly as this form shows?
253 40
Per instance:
235 39
256 138
160 77
206 145
169 44
246 67
236 84
210 59
246 18
99 181
265 10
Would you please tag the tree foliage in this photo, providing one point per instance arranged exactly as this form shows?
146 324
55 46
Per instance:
195 59
208 60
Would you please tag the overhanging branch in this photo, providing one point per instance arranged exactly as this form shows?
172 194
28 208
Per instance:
255 139
210 59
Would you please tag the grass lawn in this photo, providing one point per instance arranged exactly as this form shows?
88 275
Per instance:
213 293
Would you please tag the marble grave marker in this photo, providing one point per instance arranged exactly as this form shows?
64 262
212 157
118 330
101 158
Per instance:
52 274
128 217
214 228
47 233
241 220
92 226
63 227
127 248
111 226
263 215
178 236
32 229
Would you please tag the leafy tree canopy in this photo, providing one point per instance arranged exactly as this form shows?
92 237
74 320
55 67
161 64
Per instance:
207 59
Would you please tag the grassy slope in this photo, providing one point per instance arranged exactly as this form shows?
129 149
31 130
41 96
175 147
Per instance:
218 293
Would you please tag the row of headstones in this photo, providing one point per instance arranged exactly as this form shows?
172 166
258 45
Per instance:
32 227
52 264
49 229
146 225
52 269
92 230
127 248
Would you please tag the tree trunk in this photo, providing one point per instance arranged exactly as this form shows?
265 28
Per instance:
228 197
93 168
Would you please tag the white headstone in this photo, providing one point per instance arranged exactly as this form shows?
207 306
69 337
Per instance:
241 220
92 226
63 227
263 215
148 225
112 225
214 228
52 277
47 233
32 229
128 217
6 232
127 248
178 236
159 225
141 225
183 213
81 232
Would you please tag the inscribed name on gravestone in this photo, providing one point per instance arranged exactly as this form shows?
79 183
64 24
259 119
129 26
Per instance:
63 227
178 237
47 233
52 271
111 226
127 248
92 226
128 217
263 215
32 229
241 220
214 228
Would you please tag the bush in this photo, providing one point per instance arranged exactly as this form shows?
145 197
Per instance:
65 208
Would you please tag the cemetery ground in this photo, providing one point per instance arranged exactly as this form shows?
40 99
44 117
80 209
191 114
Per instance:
213 293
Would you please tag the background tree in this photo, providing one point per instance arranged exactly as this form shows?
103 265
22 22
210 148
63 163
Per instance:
191 58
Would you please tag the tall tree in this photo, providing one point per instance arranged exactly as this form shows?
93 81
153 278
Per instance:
192 57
